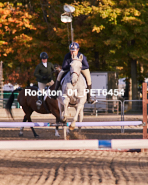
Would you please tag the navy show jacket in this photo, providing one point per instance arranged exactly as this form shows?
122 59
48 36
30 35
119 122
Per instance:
68 60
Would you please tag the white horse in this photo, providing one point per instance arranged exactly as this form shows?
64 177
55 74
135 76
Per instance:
73 91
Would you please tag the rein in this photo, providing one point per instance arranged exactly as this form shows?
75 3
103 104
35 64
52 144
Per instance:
75 73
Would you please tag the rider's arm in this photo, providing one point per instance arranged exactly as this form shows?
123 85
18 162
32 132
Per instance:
66 62
36 73
85 64
52 67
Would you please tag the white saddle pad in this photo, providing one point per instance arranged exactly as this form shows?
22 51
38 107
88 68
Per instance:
67 74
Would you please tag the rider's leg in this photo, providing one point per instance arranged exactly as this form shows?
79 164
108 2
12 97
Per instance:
86 73
57 84
40 98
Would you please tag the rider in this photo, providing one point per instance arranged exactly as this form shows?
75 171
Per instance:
74 49
43 74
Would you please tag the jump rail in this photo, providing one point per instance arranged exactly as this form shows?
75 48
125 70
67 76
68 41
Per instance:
78 124
115 144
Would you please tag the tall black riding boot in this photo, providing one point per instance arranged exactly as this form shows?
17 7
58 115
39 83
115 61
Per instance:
57 85
89 100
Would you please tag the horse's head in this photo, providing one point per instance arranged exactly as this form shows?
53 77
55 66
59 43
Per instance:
75 68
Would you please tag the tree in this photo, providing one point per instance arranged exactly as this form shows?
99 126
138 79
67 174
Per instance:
114 34
111 34
26 32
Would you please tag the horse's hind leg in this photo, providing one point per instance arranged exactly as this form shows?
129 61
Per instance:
28 111
22 128
34 133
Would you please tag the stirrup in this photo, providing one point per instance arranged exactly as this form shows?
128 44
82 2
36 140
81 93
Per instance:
38 102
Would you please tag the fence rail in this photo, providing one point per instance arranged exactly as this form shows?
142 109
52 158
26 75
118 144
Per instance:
5 98
133 106
101 106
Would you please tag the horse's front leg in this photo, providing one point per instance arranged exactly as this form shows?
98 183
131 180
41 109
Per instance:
66 103
61 109
79 108
57 131
80 117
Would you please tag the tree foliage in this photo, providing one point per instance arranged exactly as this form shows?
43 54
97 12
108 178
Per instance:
111 34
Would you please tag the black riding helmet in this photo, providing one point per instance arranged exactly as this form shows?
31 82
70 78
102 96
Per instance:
43 55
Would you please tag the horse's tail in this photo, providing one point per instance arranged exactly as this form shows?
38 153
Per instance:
10 101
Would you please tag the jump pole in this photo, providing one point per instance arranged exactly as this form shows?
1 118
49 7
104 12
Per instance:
92 144
77 124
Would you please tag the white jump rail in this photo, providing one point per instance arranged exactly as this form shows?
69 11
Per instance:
78 124
111 123
116 144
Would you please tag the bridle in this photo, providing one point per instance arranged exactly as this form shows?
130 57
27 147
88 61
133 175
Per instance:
75 73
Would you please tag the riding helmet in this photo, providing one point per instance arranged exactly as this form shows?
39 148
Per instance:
74 46
43 55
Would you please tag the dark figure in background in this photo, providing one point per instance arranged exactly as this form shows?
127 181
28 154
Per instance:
43 73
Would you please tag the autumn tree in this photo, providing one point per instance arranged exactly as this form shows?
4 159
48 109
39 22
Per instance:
114 33
111 33
27 30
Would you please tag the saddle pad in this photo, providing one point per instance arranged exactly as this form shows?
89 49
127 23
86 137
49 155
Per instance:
67 74
63 78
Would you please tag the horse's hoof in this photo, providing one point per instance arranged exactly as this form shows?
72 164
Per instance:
71 128
57 133
20 135
36 136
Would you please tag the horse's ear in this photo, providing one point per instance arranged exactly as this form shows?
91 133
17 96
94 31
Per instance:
81 57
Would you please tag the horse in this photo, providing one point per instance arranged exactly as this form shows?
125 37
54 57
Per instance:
73 91
28 104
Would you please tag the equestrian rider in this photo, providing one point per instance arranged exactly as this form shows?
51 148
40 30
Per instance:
74 49
43 74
